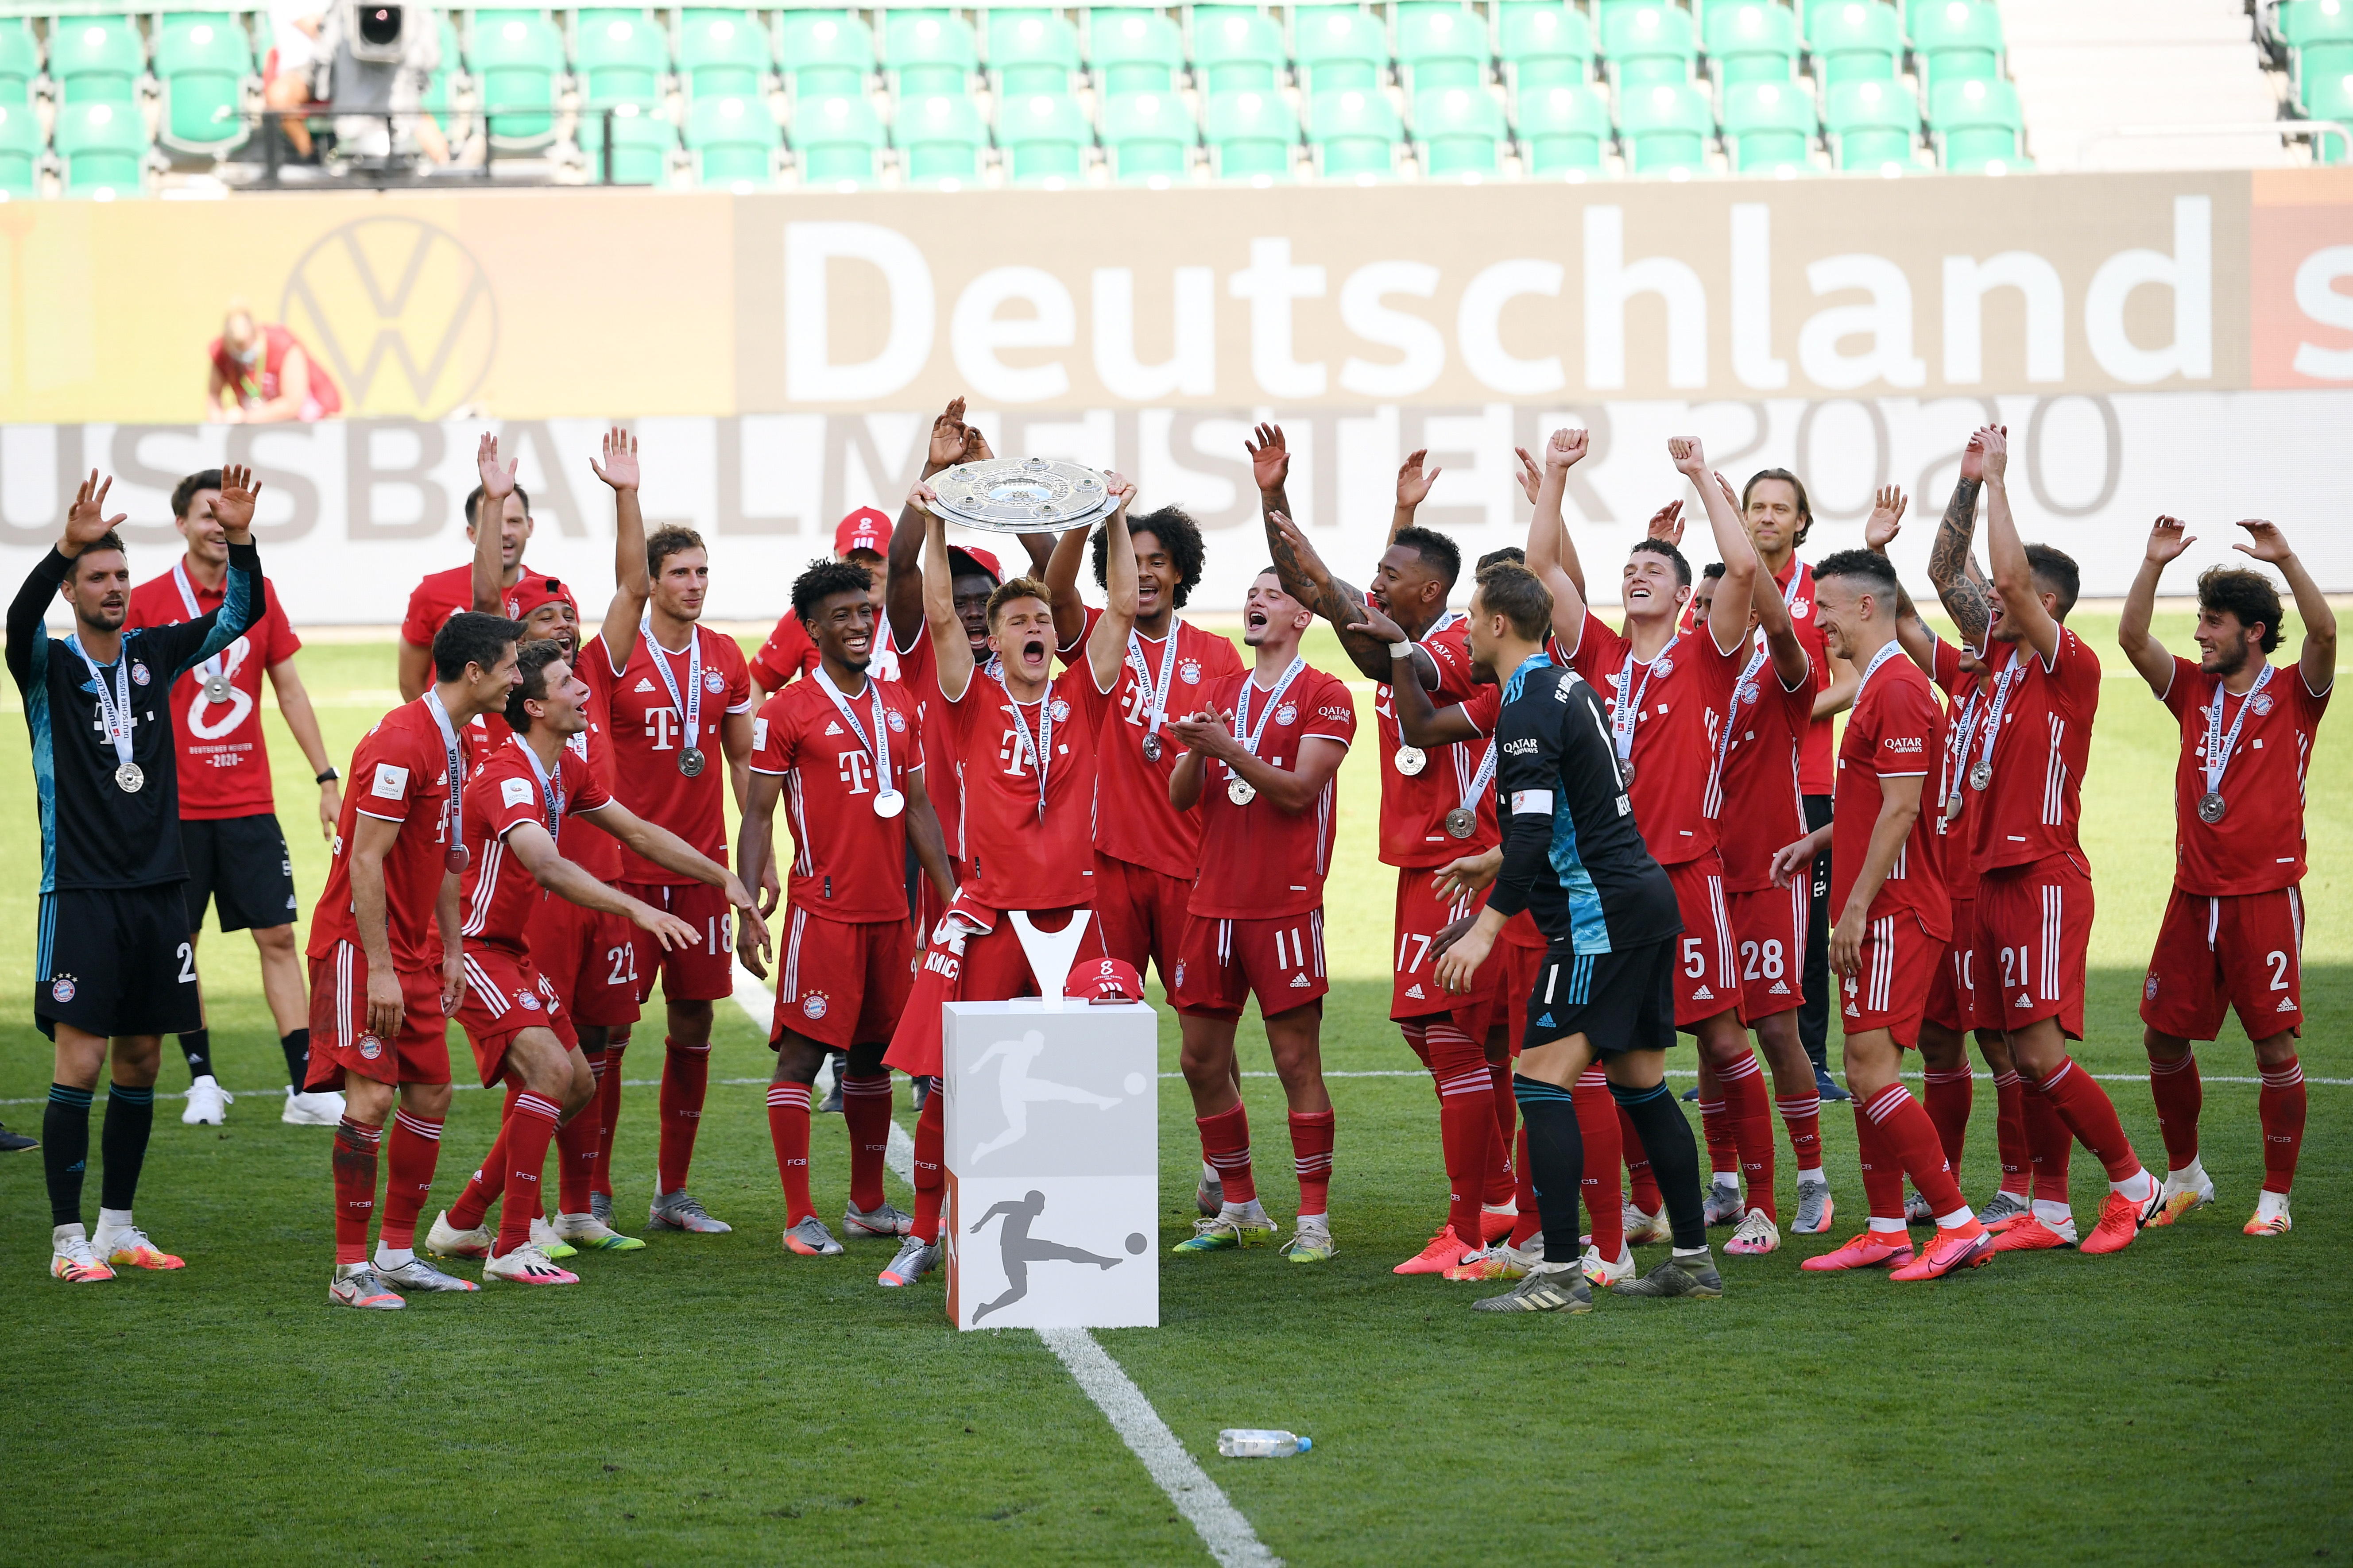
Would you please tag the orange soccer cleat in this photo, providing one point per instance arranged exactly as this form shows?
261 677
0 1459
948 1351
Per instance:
2121 1218
1872 1249
1967 1245
1444 1252
2031 1235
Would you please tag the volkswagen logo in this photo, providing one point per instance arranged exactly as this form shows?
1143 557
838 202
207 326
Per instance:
402 314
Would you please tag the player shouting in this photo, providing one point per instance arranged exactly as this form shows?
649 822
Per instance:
2233 930
1027 739
845 747
1257 776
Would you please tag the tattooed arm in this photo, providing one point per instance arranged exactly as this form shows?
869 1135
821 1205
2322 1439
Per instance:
1963 588
1301 571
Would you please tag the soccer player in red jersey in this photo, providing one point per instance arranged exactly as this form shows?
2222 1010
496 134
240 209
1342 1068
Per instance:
1257 773
1437 806
443 594
382 991
2233 930
1887 883
844 749
228 826
860 538
1027 739
1669 694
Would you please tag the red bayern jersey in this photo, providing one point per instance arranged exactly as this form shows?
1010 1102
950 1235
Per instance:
1680 697
1414 805
499 897
1139 824
848 864
433 601
919 672
1761 782
1966 697
224 762
1816 768
1022 860
1896 730
599 854
2044 740
1258 862
400 772
649 737
789 653
2258 845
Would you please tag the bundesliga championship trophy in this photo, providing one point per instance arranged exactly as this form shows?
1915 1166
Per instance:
1023 495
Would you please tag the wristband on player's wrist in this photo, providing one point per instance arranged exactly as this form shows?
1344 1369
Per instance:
330 776
1401 649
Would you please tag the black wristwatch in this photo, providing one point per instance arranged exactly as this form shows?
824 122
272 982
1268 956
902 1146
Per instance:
330 776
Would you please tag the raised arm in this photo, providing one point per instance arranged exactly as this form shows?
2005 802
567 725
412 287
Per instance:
1412 489
1107 643
1879 530
1960 587
2317 660
1061 576
903 587
632 578
190 643
86 524
940 623
489 516
1421 721
2165 543
2014 578
1551 554
1727 615
1531 481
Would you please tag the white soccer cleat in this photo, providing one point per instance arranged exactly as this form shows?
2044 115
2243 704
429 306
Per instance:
323 1108
1917 1210
1602 1273
73 1260
545 1237
446 1240
587 1233
2270 1217
528 1264
127 1247
2186 1189
1815 1208
1646 1229
1757 1234
208 1103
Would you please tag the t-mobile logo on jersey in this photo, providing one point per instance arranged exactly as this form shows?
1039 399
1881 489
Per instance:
857 768
1013 754
661 728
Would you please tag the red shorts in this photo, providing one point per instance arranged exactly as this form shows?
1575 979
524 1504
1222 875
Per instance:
505 995
1414 991
1768 930
1224 962
1954 1000
1513 966
703 973
1142 912
842 983
2245 952
985 966
340 1041
1706 978
2034 923
591 959
1889 989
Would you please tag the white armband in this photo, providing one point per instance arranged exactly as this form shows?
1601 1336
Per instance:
1532 803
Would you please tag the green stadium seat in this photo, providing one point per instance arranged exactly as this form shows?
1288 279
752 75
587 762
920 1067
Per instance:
1871 125
721 54
1149 138
839 138
621 58
825 54
1856 41
733 140
1338 46
20 152
1033 51
1956 40
1769 127
1355 133
96 59
1045 136
2330 98
1440 45
1754 40
940 137
1642 43
516 59
1250 135
1459 129
436 100
1232 53
1135 51
1666 126
103 146
928 51
1564 129
202 59
2323 46
1543 43
1977 123
643 141
20 61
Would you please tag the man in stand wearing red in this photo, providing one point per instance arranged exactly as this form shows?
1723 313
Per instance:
2233 930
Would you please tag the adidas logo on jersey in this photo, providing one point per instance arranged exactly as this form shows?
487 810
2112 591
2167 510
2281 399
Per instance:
832 729
642 685
1414 992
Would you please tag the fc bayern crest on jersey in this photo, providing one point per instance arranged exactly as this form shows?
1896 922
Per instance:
1190 671
1801 609
896 719
1664 666
527 1002
138 675
1287 714
713 682
370 1047
1749 692
61 989
1061 710
2261 702
813 1004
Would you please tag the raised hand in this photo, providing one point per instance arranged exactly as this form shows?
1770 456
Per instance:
234 505
2265 542
923 498
1373 624
619 468
2167 540
1973 456
1120 488
947 437
498 483
1886 519
1566 448
1731 496
1412 484
1270 457
1530 474
1994 440
1690 460
86 519
1667 523
975 446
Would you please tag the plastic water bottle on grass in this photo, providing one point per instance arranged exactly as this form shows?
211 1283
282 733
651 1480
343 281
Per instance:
1262 1443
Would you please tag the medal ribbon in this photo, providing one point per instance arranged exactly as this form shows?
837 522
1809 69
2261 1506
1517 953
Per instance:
1887 650
1040 747
114 709
2002 689
879 746
1475 785
212 668
551 789
450 816
690 711
1731 711
1621 718
1248 733
1155 709
2219 746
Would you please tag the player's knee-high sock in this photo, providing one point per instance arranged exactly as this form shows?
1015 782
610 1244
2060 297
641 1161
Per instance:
2049 1147
295 1047
866 1111
577 1147
686 1078
1605 1145
122 1143
2091 1116
1417 1040
1906 1131
2280 1104
355 1161
931 1181
1666 1138
1502 1184
2009 1131
1883 1175
196 1044
489 1177
1311 1135
1641 1181
528 1134
788 1129
1556 1161
1225 1149
1466 1124
608 1112
65 1149
1715 1126
411 1152
1948 1094
1527 1219
2179 1096
1748 1107
1802 1117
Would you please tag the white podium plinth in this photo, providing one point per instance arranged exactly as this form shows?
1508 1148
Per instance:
1052 1157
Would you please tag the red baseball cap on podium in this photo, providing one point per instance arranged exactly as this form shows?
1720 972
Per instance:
864 529
1104 980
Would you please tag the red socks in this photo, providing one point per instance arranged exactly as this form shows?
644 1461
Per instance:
788 1129
1466 1123
608 1112
1948 1094
2009 1131
1502 1186
1312 1134
2280 1103
1882 1175
2091 1116
489 1179
2179 1096
1225 1148
1747 1107
411 1152
866 1111
2049 1147
1642 1185
931 1180
1802 1115
1905 1131
354 1164
530 1128
1597 1125
686 1078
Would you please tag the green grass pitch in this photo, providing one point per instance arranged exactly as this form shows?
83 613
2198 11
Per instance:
2183 1400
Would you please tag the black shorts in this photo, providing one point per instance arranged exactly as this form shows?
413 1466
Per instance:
241 863
1619 1001
115 960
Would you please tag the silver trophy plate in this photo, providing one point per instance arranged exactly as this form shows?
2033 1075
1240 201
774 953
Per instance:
1023 495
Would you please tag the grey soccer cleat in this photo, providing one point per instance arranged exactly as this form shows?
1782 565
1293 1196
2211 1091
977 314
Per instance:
1814 1209
811 1239
600 1205
1917 1210
358 1285
1724 1205
1549 1288
681 1211
418 1275
915 1260
2006 1206
1209 1193
881 1220
1694 1277
921 1089
832 1104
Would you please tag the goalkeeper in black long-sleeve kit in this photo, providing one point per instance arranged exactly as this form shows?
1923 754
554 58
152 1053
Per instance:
113 962
1573 859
